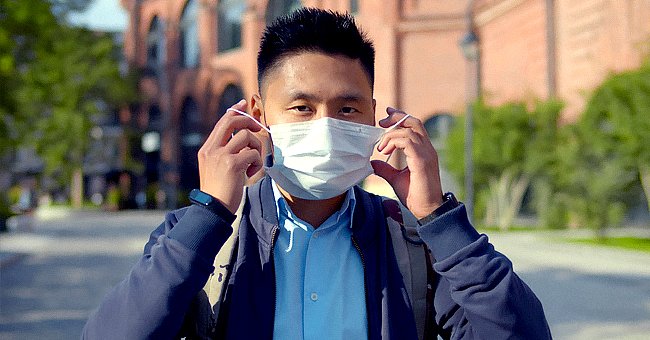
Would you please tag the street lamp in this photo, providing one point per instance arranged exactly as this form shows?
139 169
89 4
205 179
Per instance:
470 47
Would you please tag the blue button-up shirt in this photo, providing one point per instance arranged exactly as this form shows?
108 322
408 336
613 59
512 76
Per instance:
319 277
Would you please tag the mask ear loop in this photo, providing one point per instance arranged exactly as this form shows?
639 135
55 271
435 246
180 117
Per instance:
251 117
396 125
268 160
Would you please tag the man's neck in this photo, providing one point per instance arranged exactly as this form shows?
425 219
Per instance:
313 212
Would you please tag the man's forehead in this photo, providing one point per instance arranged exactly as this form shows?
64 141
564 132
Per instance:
294 68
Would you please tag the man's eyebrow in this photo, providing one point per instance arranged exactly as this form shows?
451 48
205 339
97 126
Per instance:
350 97
303 95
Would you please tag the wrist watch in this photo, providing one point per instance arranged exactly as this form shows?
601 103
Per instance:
206 201
449 202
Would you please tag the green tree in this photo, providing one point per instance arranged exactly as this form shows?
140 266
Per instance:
622 106
59 78
605 153
509 151
592 178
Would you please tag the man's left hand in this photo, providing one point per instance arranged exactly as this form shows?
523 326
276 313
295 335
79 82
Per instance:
418 185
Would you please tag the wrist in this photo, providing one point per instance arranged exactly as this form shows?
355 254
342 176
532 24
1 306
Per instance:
209 202
448 203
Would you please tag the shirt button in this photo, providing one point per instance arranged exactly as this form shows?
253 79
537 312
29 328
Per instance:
314 296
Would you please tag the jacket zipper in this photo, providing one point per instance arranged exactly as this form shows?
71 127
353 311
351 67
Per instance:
274 236
365 280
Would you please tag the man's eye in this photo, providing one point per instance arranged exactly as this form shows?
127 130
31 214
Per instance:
348 110
302 108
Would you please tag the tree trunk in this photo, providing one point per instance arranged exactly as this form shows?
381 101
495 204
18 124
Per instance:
644 175
76 188
517 189
506 196
492 206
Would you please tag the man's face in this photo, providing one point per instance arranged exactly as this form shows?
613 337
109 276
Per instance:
311 85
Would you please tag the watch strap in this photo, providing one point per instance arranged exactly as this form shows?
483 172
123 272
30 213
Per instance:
207 201
449 202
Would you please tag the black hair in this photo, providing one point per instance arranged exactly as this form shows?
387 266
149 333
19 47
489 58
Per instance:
314 30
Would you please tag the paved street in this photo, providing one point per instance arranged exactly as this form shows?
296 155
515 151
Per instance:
71 262
587 292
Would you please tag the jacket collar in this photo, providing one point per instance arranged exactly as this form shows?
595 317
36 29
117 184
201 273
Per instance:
263 211
368 212
368 215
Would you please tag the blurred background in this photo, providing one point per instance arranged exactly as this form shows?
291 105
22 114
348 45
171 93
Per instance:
539 110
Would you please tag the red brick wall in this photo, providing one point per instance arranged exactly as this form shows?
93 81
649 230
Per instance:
514 50
419 67
596 37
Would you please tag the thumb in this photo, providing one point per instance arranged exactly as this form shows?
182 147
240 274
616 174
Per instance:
384 170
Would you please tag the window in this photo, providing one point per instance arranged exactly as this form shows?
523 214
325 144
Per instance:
278 8
231 95
191 139
354 6
229 25
155 117
190 50
155 46
438 128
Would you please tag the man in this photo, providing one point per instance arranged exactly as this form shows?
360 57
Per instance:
314 258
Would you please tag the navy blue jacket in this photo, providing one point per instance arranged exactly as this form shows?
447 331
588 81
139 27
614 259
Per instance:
477 294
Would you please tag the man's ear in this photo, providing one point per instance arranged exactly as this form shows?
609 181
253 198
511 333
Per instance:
257 108
374 108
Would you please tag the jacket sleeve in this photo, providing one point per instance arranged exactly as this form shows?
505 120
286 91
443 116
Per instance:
151 302
477 294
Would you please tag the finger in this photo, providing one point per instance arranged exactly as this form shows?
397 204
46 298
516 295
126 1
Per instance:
395 115
224 132
250 160
417 156
212 136
397 143
256 166
241 140
398 133
384 170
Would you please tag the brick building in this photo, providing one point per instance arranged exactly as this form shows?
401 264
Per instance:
198 57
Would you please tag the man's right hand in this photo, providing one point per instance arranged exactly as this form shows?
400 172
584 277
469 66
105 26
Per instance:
224 162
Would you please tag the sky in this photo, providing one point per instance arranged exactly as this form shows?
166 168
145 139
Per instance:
102 15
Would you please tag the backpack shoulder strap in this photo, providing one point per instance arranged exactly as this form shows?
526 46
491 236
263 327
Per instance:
411 254
223 260
208 309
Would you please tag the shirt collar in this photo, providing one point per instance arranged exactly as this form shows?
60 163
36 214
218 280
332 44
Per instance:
282 207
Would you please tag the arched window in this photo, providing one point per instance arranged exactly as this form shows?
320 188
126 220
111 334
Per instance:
155 117
354 6
230 96
278 8
229 25
151 145
438 128
155 46
190 49
191 139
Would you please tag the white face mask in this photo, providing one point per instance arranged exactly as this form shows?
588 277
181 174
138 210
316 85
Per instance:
323 158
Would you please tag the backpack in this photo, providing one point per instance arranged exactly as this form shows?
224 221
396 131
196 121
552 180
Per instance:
413 259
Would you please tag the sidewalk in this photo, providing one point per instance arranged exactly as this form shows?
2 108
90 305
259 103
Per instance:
34 234
588 292
20 232
585 258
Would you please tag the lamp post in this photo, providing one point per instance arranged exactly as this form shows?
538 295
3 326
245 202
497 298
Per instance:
469 45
